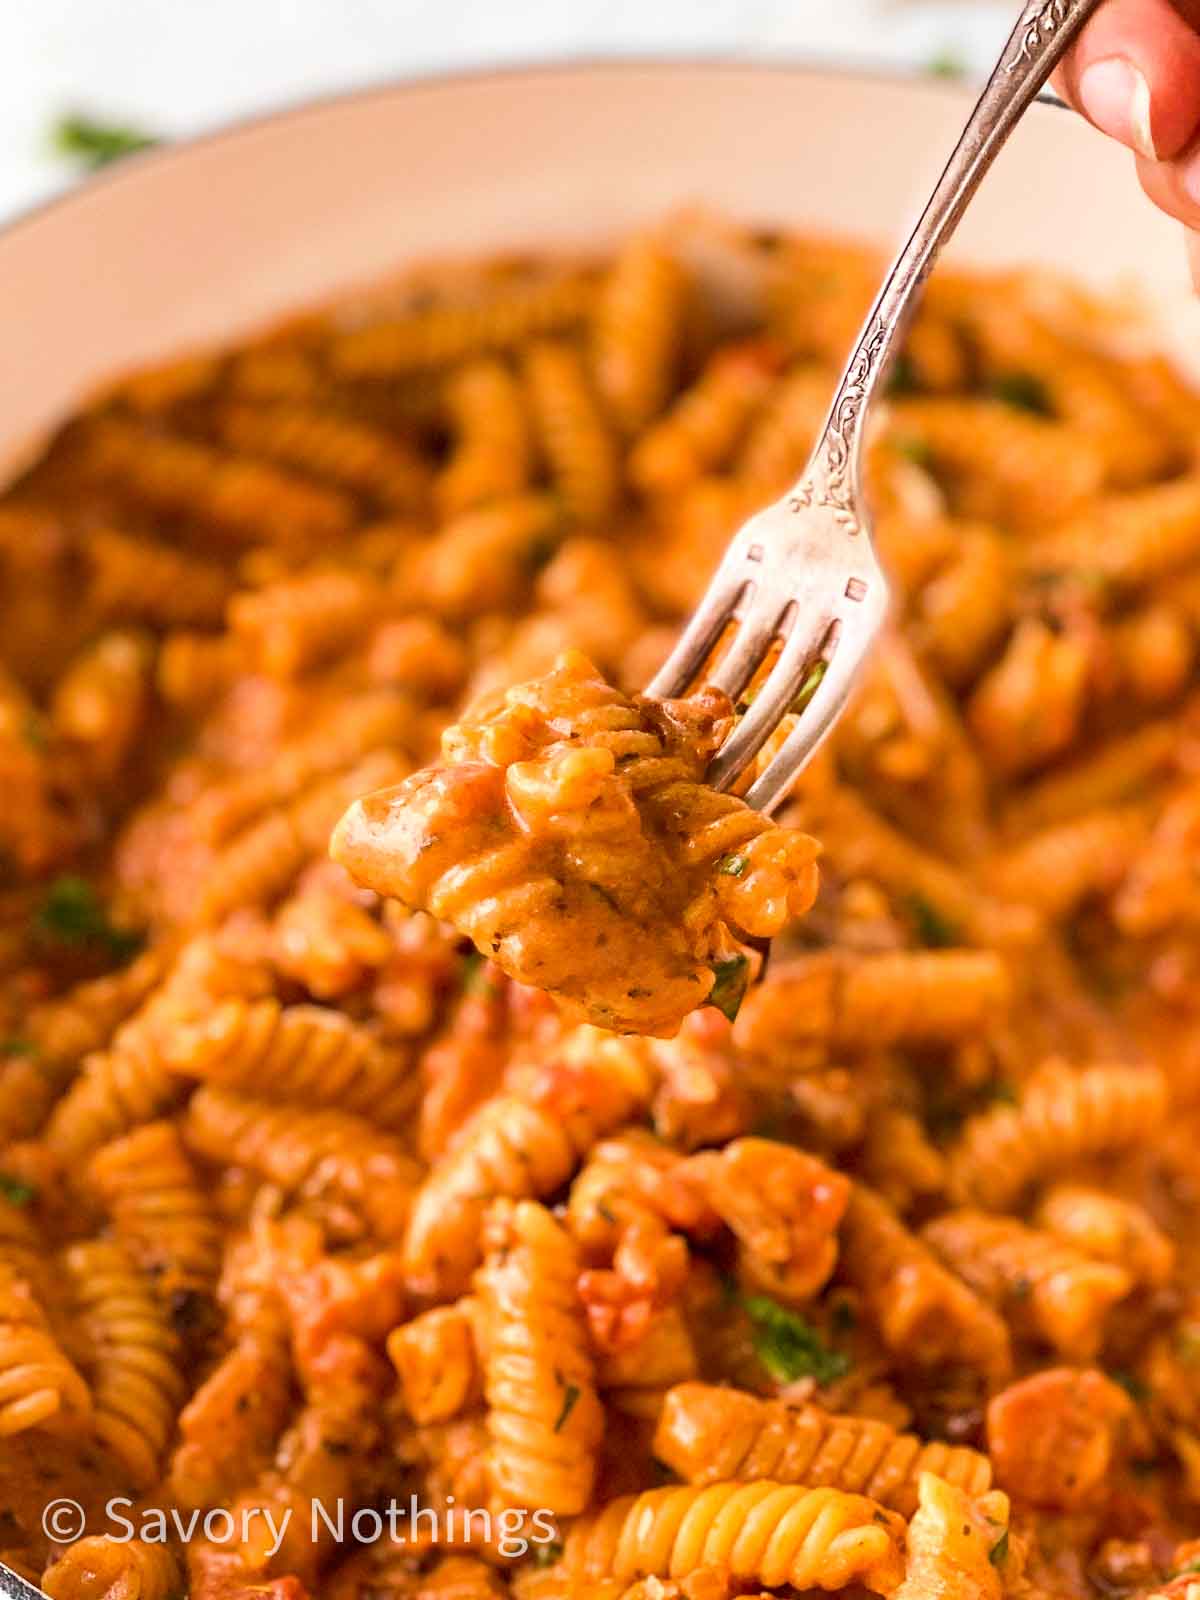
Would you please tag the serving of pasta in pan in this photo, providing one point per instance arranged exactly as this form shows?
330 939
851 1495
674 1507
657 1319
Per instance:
578 1184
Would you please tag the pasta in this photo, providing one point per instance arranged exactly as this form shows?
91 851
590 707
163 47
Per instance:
493 1185
771 1533
544 1417
956 1547
570 809
137 1382
707 1434
106 1568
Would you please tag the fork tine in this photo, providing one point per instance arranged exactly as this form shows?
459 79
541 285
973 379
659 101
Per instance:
763 623
816 722
770 703
695 643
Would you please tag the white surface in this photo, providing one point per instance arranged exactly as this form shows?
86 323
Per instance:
177 67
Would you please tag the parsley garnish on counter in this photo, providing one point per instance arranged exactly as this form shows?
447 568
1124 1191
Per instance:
93 144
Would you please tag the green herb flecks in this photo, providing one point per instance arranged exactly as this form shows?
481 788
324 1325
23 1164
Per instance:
733 866
570 1396
72 914
915 450
1024 391
789 1347
998 1554
903 379
93 144
946 64
732 981
15 1190
1133 1386
18 1045
545 1555
812 682
932 927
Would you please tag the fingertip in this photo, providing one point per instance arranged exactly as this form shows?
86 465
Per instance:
1114 95
1135 74
1174 187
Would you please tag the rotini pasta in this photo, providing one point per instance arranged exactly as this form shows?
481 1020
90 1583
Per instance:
137 1381
544 1418
706 1434
745 1274
611 833
769 1533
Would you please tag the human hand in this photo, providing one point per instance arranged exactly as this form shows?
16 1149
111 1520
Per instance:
1135 74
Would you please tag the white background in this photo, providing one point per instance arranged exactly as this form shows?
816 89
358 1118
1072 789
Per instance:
177 67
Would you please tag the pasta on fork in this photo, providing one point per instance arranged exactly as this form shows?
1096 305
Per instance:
571 837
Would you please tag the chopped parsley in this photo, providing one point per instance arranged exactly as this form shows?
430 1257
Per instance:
812 682
732 981
16 1045
541 551
843 1316
733 866
1133 1386
15 1190
789 1347
1189 1566
570 1396
932 927
903 379
92 144
915 450
998 1554
545 1555
1024 391
72 913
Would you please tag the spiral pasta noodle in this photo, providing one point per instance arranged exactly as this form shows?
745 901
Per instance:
330 447
519 1146
106 1567
573 434
160 1212
137 1381
307 1153
769 1533
493 446
38 1385
707 1434
638 331
544 1418
1061 1116
304 1054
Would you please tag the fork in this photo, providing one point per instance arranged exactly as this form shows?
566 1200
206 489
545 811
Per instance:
803 574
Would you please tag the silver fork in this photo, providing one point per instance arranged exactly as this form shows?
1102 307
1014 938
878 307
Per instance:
803 572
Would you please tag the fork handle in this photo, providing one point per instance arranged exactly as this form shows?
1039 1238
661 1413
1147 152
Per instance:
1036 45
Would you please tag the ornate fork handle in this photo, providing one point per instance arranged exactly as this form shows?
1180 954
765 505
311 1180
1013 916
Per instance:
1037 43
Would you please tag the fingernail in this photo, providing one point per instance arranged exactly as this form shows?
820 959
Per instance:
1116 96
